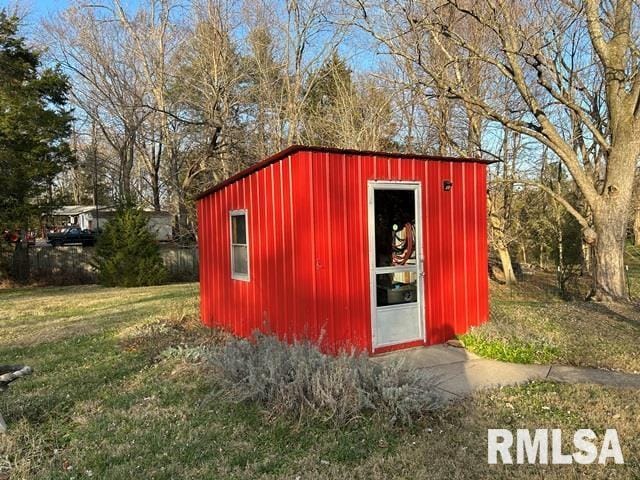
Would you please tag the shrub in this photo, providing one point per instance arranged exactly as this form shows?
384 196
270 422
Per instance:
299 380
127 255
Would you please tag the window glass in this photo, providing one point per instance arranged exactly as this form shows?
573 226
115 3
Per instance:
396 288
239 246
240 263
395 217
239 229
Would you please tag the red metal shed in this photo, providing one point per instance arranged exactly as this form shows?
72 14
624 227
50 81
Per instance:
370 250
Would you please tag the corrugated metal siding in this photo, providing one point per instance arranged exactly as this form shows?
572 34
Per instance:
308 247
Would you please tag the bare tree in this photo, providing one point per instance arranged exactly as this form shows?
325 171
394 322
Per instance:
210 105
348 111
555 55
107 85
500 204
636 213
156 35
288 42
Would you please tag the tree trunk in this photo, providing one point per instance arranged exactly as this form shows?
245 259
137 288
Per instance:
497 239
609 280
586 257
507 267
636 225
155 188
20 268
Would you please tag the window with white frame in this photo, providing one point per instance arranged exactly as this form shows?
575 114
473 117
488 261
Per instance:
239 245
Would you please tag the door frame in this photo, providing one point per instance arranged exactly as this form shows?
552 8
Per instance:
416 187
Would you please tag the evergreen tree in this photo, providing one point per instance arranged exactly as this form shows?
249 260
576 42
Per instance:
126 253
35 124
333 80
325 105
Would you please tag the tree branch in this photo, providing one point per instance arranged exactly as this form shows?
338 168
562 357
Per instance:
554 195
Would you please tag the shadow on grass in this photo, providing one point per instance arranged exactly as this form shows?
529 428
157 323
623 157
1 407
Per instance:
603 309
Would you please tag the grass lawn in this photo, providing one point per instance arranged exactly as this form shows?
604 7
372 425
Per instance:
531 324
113 397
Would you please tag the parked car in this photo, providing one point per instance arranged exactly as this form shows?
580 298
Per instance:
71 235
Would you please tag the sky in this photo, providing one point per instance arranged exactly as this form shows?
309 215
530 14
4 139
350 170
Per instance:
36 9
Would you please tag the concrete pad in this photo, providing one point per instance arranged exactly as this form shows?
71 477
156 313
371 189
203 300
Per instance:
423 357
456 372
464 378
567 374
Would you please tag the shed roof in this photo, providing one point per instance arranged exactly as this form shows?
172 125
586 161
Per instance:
347 151
72 210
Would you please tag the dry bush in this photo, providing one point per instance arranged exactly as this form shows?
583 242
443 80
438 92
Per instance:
297 379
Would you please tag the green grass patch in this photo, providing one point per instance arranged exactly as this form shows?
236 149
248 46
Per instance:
510 350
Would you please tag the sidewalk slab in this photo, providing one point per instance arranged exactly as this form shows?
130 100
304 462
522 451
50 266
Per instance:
464 378
456 373
422 357
567 374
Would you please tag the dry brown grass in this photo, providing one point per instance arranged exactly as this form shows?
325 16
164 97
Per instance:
453 445
108 404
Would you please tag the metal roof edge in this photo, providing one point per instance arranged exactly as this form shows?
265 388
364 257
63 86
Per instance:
293 149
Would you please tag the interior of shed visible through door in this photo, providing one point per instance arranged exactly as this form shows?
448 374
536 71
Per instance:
395 241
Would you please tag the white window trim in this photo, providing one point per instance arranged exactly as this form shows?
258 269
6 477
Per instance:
245 277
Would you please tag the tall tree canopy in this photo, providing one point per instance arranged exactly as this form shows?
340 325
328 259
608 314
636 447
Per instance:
34 125
571 76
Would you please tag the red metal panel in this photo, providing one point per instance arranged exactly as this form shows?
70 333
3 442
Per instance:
421 173
302 204
205 249
481 238
232 314
459 260
272 294
322 235
342 212
308 246
252 196
211 230
468 240
211 266
447 252
203 219
435 268
288 247
256 255
275 186
366 171
204 245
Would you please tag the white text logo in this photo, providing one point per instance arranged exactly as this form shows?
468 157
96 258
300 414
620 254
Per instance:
545 447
